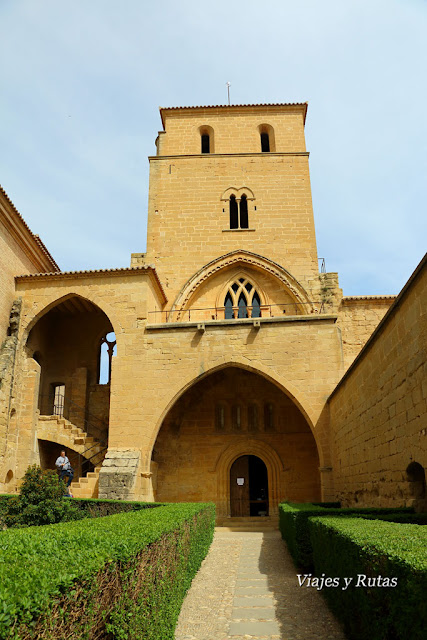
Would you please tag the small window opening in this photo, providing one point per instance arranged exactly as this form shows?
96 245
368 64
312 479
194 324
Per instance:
107 350
268 417
235 417
235 287
265 142
219 417
248 286
234 213
244 220
252 418
58 393
206 143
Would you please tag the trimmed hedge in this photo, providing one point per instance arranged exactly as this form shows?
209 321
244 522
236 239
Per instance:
373 550
401 518
293 524
96 508
121 576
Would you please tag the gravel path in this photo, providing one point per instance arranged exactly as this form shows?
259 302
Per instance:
247 588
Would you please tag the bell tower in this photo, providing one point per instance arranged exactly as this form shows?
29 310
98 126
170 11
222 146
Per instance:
228 178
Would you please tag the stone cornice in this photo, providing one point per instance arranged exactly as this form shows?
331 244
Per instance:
231 155
243 322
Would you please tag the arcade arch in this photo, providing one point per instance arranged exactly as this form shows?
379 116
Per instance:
210 426
65 341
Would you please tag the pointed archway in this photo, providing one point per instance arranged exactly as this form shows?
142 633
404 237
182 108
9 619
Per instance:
231 413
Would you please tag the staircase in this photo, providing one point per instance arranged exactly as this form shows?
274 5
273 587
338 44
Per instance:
86 487
254 523
59 429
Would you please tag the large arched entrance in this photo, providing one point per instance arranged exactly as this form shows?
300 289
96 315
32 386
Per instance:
73 344
231 413
248 487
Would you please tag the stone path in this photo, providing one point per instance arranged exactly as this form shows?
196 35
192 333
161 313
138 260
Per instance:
247 588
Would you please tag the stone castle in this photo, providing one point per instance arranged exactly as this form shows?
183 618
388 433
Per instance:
222 365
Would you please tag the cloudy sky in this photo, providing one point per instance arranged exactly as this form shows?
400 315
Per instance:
82 81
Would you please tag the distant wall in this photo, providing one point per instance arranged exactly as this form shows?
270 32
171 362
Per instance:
378 412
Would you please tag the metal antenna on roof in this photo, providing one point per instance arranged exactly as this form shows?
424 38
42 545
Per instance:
228 91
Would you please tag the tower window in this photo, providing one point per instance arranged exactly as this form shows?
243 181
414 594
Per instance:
206 143
206 139
234 213
267 138
239 218
244 221
242 300
265 142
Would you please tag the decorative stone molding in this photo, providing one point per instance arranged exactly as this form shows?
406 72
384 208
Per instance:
251 447
238 192
244 258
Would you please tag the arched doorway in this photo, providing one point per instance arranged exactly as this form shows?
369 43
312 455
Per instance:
248 487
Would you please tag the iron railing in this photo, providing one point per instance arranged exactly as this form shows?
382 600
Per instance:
204 314
59 405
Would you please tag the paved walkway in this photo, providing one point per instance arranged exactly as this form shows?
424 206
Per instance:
247 588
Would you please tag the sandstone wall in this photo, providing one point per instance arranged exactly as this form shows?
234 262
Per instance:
378 413
358 317
188 209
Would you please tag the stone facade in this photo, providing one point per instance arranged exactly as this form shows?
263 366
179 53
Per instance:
228 339
378 413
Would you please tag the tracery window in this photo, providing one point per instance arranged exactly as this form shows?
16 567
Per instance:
242 300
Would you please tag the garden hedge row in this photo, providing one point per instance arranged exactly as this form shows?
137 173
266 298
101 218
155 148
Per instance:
121 576
293 524
373 553
96 508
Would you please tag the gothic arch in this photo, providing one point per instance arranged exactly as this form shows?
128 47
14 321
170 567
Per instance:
244 447
57 301
248 259
298 397
238 192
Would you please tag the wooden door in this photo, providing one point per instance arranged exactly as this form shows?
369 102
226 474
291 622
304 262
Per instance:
239 493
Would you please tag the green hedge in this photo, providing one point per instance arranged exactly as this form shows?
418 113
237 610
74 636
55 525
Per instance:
293 524
375 550
95 508
122 576
401 518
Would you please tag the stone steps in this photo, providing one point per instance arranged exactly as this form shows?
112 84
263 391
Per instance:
255 523
86 487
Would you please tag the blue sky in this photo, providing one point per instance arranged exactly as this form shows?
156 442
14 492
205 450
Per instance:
82 82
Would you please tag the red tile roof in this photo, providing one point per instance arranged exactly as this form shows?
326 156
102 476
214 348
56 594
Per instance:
238 106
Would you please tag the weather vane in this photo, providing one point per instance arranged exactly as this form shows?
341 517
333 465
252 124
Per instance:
228 91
